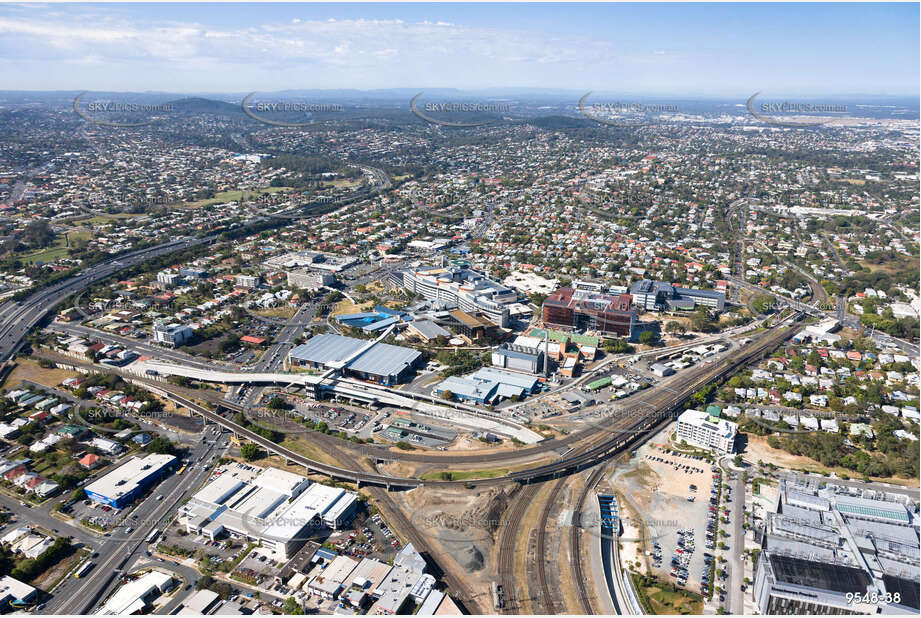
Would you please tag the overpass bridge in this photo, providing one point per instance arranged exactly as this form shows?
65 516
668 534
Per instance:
795 304
329 386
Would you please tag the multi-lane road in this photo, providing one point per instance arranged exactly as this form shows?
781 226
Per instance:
118 552
18 318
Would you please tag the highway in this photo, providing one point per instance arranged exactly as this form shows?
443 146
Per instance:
18 318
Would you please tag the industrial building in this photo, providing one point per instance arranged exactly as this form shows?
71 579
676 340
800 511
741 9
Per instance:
128 482
518 358
820 547
279 509
376 362
659 296
134 596
488 385
463 288
710 432
591 310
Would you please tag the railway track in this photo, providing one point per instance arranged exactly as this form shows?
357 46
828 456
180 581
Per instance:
598 442
540 553
507 541
395 516
574 546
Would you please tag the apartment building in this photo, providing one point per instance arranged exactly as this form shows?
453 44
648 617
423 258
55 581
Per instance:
700 429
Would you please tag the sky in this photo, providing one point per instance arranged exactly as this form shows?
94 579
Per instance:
649 49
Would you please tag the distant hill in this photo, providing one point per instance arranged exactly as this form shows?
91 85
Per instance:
199 105
561 122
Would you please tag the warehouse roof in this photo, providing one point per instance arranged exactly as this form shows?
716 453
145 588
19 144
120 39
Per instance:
378 359
131 474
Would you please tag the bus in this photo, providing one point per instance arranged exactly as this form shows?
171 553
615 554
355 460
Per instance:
83 570
181 470
153 535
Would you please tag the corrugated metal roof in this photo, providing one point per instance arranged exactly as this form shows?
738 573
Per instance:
381 359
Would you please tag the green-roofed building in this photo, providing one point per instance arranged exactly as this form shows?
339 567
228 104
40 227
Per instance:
71 431
714 411
599 383
563 337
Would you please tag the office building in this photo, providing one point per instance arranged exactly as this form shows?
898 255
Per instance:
820 547
462 288
129 481
590 310
171 334
304 279
700 429
662 296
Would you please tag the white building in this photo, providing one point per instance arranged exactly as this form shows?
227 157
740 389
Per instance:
304 279
134 596
463 288
168 278
247 281
271 506
172 334
700 429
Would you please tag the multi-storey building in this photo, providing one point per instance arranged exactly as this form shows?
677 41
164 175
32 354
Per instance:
837 550
700 429
171 334
658 296
305 279
591 310
463 288
247 281
167 278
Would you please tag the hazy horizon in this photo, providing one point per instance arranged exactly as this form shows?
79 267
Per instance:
697 50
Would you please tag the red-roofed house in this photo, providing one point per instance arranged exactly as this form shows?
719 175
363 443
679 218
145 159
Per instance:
89 461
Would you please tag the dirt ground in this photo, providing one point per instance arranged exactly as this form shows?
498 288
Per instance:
463 525
345 307
28 369
659 492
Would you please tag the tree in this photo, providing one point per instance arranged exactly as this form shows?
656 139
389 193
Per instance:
251 451
161 446
647 337
277 403
675 327
292 607
447 395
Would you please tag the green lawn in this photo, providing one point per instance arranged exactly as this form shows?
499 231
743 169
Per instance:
465 475
222 197
664 598
48 255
